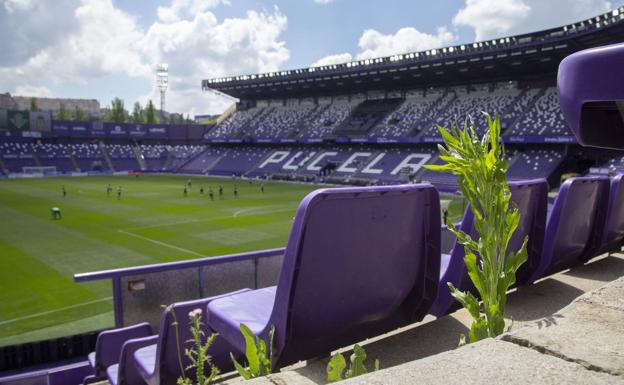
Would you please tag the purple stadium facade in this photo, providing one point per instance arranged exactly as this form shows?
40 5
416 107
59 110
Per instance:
374 123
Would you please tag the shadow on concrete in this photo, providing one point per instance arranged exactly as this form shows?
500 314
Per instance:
540 300
420 341
605 269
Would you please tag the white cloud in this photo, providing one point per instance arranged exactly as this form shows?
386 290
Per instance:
323 1
497 18
203 48
179 9
375 44
77 41
333 59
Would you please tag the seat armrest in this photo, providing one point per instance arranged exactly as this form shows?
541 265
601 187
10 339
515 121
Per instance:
109 344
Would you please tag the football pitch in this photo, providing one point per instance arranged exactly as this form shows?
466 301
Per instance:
151 222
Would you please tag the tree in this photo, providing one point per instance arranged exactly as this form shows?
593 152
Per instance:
62 113
116 113
79 114
150 113
138 115
33 104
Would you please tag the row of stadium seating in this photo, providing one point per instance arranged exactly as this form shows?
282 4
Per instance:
71 157
529 112
339 164
588 208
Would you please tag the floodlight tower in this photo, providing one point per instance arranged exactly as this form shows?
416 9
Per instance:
162 82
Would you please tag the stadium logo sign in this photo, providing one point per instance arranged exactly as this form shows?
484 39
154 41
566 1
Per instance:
312 161
19 120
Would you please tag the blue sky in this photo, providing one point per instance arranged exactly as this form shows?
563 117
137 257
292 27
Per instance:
106 48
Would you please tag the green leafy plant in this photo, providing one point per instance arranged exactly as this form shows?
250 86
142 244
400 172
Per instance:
198 354
259 358
337 365
480 166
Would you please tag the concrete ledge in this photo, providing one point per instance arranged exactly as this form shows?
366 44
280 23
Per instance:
589 332
581 343
487 362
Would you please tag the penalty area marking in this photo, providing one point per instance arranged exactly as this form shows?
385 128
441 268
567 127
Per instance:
55 310
161 243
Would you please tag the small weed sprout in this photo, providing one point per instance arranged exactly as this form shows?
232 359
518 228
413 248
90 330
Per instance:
259 358
337 365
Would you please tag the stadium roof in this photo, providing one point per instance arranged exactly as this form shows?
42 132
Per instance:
533 55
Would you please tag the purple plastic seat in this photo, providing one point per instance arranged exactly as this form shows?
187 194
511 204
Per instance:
589 95
531 196
158 363
614 228
575 225
359 262
108 348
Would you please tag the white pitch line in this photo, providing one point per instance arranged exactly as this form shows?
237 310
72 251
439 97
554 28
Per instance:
161 243
55 310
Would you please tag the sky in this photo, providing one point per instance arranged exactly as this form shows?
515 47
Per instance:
101 49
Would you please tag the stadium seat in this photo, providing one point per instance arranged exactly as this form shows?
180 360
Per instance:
108 348
614 227
531 198
131 356
158 362
359 262
590 96
575 225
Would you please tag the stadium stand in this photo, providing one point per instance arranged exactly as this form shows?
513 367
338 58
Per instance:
122 156
16 155
155 156
56 155
328 116
543 118
409 116
534 163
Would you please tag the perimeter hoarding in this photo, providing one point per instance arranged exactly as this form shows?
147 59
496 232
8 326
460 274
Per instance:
116 130
177 131
157 131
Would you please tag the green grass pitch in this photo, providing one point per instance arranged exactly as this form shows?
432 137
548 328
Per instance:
152 222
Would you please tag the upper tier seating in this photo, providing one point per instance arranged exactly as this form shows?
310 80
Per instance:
409 116
543 118
366 115
326 118
279 122
473 105
232 127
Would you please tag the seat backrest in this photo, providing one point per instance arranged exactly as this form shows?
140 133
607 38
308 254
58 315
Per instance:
614 230
531 198
359 262
575 224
